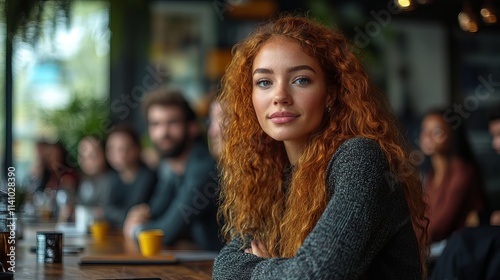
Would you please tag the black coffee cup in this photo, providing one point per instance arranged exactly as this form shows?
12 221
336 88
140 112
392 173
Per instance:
6 275
49 247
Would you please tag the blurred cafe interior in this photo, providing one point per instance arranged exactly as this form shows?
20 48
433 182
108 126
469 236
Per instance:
74 67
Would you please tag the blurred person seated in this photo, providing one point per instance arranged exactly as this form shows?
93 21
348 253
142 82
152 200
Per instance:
96 179
453 187
134 182
54 182
183 205
52 169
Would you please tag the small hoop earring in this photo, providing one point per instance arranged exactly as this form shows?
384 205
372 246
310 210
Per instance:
328 109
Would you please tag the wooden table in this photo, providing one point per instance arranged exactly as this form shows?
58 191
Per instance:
27 267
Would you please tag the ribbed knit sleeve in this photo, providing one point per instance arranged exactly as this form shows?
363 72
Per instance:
355 227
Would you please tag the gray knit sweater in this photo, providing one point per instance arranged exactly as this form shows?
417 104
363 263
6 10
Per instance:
365 231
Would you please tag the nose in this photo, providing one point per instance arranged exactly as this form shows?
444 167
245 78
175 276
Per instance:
159 131
165 127
282 95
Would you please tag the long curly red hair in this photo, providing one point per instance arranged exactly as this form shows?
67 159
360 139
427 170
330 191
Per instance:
253 201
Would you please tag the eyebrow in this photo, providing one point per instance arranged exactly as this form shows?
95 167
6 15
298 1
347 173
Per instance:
300 67
289 70
262 71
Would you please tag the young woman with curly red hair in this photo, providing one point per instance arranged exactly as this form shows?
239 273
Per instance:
316 182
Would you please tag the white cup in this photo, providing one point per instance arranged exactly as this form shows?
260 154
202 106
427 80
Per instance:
83 218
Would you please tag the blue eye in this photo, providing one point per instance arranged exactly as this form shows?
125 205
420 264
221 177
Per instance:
263 83
302 81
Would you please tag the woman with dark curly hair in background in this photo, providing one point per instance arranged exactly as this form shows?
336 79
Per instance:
454 189
316 182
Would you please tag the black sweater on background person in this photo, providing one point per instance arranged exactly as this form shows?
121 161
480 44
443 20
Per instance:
123 196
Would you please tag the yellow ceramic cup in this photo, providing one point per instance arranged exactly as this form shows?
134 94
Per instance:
150 242
99 231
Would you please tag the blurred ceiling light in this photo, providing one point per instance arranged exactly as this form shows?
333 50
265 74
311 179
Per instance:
466 19
488 13
466 22
406 5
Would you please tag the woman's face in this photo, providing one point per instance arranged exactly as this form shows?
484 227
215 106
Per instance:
288 90
91 157
121 151
435 136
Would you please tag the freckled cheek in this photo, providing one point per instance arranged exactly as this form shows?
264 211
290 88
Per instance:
259 107
315 108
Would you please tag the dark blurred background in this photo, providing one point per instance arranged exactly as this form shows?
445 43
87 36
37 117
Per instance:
76 67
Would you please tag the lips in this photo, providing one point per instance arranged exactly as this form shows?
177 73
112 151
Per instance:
283 117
